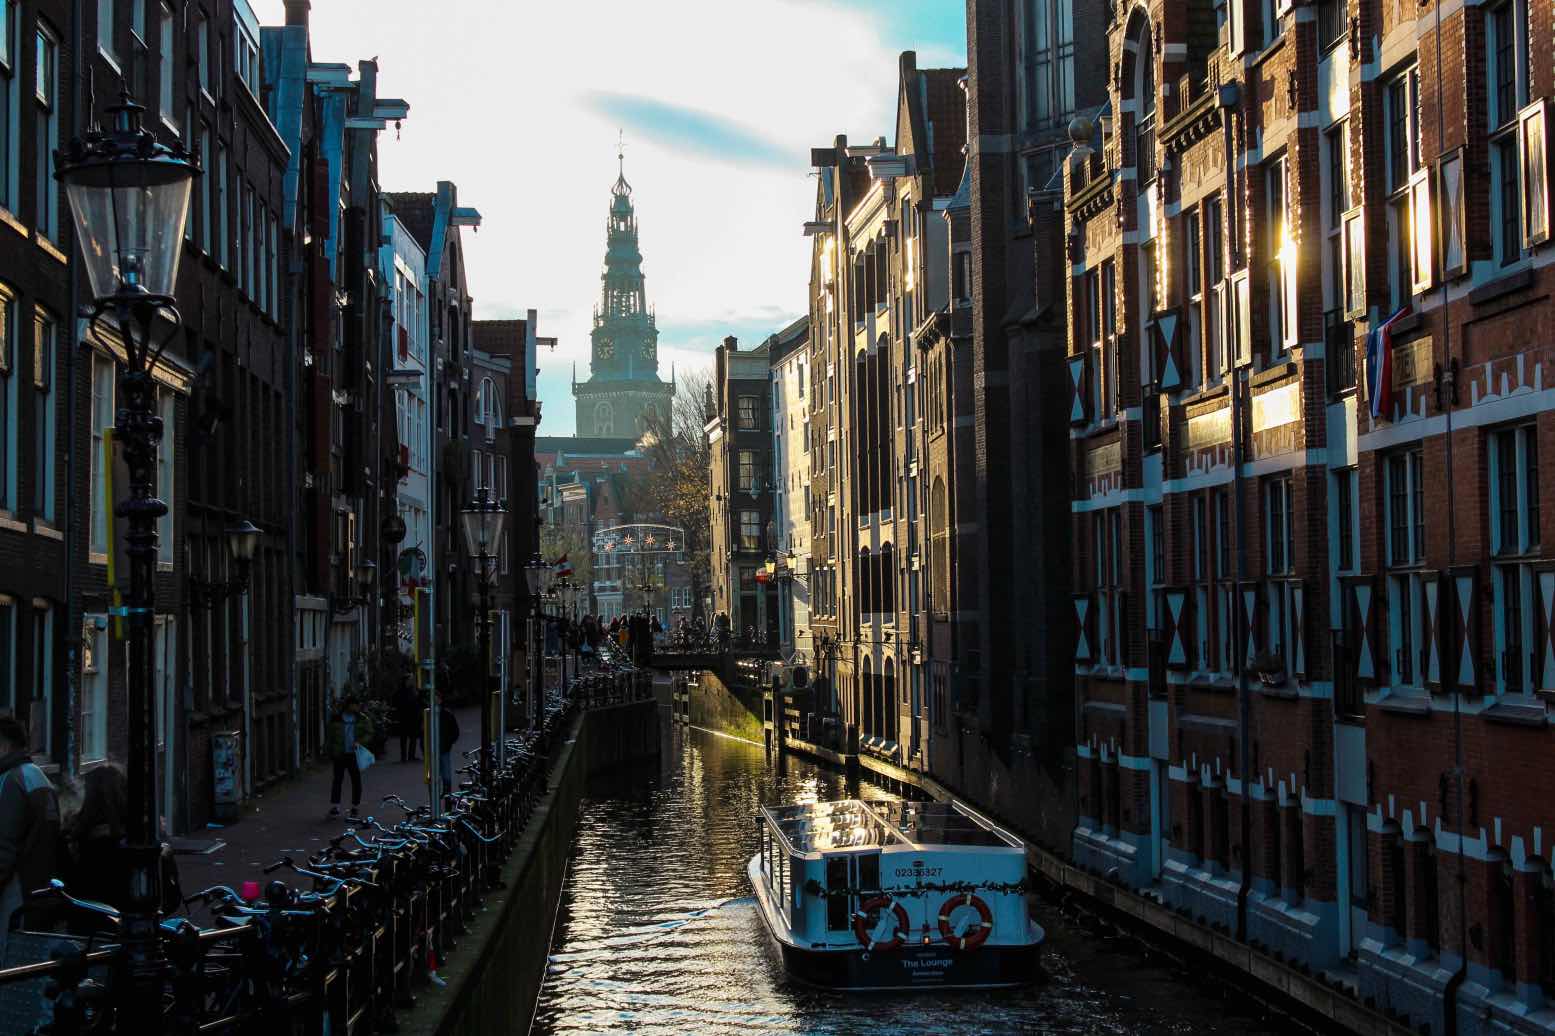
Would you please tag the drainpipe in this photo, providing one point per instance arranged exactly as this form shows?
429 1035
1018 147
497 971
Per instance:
71 761
1447 391
1229 96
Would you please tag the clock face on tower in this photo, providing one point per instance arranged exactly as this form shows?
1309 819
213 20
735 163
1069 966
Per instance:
607 349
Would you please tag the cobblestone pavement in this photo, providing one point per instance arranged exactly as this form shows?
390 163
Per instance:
291 818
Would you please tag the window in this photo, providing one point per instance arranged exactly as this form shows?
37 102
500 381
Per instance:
166 467
1109 339
1049 71
1215 268
43 674
1403 161
44 332
748 419
1199 576
168 65
1514 514
747 473
202 50
1331 27
46 94
10 113
962 277
223 238
1506 69
1281 253
604 420
750 530
1193 282
9 412
94 689
1337 146
1279 526
1144 108
1344 512
1156 528
102 423
205 193
1094 333
105 30
1405 515
246 60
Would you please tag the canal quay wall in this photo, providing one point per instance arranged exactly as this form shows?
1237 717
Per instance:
494 977
1014 803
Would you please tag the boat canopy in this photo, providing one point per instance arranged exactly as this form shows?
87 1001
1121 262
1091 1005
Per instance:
814 827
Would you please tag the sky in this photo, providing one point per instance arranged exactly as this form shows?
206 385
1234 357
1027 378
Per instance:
519 103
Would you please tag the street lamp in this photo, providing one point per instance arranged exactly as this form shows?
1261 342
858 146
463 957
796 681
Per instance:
242 544
129 196
482 523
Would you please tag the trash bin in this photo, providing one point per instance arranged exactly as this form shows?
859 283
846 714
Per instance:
226 774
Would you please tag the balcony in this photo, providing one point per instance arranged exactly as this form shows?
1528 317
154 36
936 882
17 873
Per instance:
1339 352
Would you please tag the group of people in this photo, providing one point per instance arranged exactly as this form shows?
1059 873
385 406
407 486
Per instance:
74 832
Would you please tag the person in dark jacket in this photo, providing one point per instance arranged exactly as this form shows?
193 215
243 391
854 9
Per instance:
29 824
448 736
348 728
407 716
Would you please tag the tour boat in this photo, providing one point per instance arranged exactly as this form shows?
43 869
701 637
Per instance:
894 895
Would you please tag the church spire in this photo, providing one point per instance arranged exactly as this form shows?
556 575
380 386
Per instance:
622 189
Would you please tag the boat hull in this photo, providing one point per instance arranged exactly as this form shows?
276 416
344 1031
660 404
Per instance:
936 966
913 966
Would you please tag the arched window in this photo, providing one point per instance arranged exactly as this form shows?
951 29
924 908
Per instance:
939 533
604 420
867 697
1144 100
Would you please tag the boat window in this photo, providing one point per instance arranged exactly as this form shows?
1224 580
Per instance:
837 916
869 872
783 875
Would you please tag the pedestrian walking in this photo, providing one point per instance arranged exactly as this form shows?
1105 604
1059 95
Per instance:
407 716
29 824
448 730
350 729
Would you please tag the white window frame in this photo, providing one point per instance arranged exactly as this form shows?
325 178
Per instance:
11 90
1406 577
167 63
105 20
104 387
94 688
1281 257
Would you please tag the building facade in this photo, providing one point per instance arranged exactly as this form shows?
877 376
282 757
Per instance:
623 392
741 496
789 357
1307 254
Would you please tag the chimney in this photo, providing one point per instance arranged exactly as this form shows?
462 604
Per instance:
297 12
732 344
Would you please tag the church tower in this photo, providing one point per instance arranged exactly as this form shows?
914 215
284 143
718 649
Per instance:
624 385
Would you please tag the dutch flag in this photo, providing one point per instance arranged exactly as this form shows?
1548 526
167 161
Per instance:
563 567
1379 366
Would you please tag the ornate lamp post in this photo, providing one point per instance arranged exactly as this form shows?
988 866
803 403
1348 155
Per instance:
535 571
129 195
482 523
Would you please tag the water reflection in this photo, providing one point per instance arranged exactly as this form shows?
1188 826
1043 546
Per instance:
658 933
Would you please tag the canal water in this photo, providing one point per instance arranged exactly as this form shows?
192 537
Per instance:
657 931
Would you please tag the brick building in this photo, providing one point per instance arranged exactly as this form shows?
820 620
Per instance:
739 412
1314 622
42 482
788 357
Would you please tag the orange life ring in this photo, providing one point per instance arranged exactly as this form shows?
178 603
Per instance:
861 923
979 932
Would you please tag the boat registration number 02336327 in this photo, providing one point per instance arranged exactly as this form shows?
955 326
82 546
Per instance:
917 870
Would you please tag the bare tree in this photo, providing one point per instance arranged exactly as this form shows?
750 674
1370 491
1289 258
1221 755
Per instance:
678 482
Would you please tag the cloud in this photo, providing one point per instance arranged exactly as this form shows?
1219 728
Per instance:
690 131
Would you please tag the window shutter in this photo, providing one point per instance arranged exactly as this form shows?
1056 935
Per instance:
1465 601
1168 351
1084 654
1431 646
1242 317
1079 381
1543 648
1178 625
1422 232
1298 628
1533 149
1451 229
